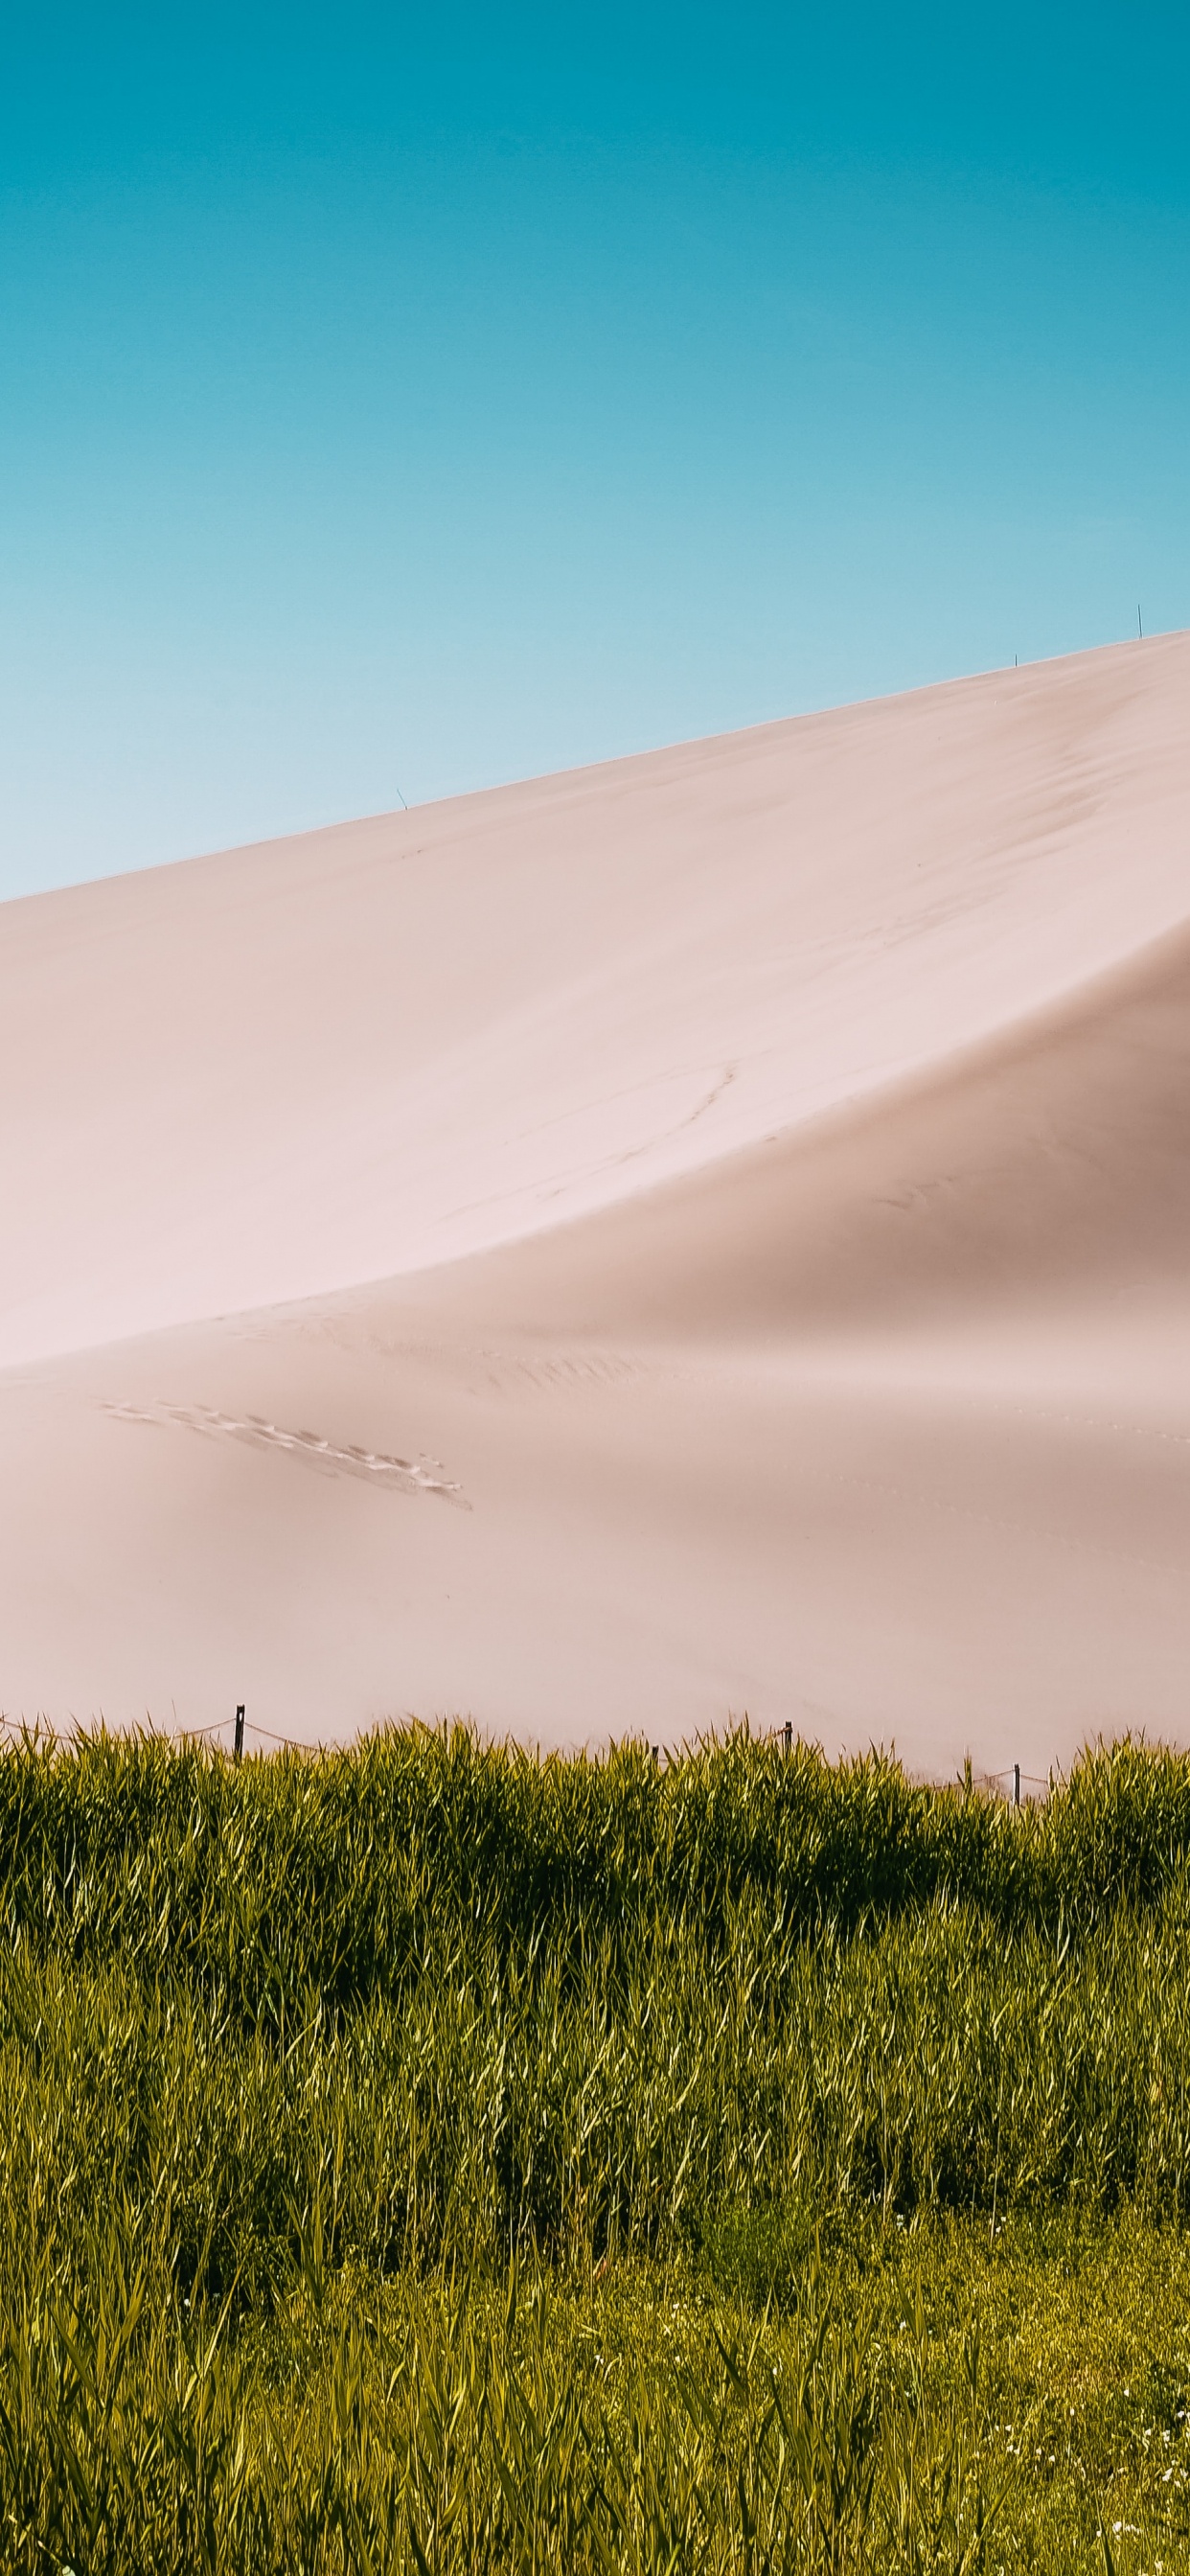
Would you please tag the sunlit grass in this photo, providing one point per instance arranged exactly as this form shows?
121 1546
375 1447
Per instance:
425 2157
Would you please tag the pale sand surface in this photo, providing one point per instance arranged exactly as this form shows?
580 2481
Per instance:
701 1235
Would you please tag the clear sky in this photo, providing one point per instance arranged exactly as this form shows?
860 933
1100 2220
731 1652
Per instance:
393 401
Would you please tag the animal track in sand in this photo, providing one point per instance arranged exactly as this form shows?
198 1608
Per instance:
373 1467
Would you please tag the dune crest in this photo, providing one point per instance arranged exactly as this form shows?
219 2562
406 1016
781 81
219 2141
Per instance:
755 1177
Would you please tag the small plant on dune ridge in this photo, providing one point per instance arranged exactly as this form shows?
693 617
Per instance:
423 2156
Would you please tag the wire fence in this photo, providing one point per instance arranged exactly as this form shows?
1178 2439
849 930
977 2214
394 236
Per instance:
19 1728
1011 1783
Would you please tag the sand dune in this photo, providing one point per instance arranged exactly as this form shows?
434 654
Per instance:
702 1234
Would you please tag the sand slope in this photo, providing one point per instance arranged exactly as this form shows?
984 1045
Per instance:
710 1232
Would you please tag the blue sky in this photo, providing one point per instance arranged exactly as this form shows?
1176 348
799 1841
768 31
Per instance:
393 403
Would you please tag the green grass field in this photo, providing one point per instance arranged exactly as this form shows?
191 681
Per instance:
424 2158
